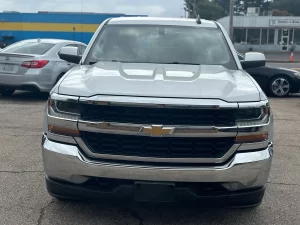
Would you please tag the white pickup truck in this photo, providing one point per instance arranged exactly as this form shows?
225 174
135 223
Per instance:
159 110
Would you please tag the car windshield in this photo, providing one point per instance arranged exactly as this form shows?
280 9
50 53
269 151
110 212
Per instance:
161 45
34 48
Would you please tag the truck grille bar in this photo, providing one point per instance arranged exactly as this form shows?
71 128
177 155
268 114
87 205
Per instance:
167 147
165 116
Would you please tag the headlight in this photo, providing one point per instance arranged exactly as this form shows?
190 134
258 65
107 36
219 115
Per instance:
253 122
253 115
297 75
67 108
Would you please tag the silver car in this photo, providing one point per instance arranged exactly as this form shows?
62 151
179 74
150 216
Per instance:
34 65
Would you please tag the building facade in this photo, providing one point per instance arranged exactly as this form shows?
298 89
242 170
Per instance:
15 26
264 33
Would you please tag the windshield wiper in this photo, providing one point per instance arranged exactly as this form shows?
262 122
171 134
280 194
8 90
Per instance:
197 64
113 60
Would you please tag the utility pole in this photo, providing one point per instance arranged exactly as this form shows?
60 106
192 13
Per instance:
231 12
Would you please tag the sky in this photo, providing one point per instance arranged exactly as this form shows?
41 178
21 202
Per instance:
167 8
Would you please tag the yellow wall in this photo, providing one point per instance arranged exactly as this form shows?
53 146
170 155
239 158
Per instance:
59 27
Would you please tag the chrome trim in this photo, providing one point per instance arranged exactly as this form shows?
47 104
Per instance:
64 98
157 102
86 150
61 138
138 129
254 129
253 146
253 104
245 170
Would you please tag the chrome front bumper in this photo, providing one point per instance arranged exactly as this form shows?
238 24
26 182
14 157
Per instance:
246 170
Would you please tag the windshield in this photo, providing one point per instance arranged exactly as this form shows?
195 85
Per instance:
162 45
34 48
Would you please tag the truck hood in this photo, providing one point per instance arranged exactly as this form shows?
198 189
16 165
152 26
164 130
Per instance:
152 80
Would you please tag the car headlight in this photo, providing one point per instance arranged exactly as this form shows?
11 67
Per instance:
253 116
66 108
297 75
253 122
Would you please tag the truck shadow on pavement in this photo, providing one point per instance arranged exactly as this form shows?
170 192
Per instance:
26 97
95 213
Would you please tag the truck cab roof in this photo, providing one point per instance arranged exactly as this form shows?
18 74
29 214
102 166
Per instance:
162 21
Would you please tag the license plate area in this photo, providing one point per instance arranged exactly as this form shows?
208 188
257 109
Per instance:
154 192
7 68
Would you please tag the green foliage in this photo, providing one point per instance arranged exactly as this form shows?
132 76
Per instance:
291 6
215 9
206 9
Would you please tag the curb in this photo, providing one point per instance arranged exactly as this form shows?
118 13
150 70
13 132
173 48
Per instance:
281 61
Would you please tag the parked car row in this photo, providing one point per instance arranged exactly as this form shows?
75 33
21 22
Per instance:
36 65
276 82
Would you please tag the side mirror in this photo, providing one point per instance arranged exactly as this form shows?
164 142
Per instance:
70 54
253 59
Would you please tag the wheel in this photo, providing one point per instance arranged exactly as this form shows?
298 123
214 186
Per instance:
6 92
280 86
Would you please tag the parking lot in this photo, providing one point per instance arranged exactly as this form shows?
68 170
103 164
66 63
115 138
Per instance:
24 199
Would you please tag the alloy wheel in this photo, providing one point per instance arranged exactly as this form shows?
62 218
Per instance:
280 87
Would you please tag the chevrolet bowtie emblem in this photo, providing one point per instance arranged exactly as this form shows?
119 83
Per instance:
157 130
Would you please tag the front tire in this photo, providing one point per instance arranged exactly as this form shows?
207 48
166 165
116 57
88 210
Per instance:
7 92
280 86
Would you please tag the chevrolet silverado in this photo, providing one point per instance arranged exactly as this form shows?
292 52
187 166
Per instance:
159 110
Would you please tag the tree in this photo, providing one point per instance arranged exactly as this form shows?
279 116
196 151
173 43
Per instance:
277 12
240 7
224 4
206 9
291 6
192 7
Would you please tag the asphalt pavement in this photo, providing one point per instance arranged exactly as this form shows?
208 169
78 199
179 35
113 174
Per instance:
24 199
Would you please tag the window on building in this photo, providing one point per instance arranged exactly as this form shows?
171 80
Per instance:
285 32
253 36
297 36
279 36
264 37
291 38
267 36
271 37
239 36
